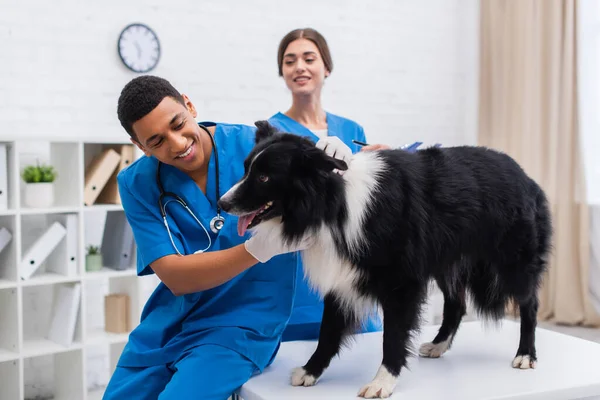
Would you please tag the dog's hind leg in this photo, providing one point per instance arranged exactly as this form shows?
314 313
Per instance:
454 309
401 312
335 325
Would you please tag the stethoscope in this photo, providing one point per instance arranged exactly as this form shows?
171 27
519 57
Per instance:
216 224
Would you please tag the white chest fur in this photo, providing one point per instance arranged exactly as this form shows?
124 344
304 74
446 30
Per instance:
327 272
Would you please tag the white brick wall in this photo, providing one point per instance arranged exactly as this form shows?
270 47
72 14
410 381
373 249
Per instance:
404 69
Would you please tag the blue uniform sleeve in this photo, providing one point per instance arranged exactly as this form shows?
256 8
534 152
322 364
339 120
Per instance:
151 237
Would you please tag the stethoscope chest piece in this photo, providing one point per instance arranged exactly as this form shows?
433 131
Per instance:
216 224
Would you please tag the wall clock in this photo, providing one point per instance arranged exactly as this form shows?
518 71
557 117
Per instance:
139 48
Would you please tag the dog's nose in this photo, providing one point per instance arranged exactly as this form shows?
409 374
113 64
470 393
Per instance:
224 205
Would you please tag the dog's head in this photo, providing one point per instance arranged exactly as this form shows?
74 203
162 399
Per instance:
280 174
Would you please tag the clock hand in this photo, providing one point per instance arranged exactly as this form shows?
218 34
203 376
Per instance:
139 49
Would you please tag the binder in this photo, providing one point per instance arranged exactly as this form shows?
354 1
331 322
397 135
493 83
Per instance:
98 173
5 238
63 259
41 249
64 314
71 256
117 241
3 177
110 193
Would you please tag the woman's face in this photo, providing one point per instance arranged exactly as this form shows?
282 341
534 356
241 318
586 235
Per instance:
303 68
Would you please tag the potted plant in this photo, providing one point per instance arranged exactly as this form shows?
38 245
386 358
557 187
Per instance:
93 259
39 186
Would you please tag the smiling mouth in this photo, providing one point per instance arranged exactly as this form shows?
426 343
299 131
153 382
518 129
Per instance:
302 79
185 153
250 220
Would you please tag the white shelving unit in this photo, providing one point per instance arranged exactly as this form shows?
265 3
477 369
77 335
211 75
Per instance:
27 358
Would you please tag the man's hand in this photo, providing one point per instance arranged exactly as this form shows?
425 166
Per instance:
267 242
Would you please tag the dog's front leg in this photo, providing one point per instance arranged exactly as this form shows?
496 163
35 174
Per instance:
335 325
400 318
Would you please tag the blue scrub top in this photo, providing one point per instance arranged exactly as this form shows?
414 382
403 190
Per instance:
247 314
308 305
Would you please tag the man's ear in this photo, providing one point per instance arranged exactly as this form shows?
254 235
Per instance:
139 146
264 130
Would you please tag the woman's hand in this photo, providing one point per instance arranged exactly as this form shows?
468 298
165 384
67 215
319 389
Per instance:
373 147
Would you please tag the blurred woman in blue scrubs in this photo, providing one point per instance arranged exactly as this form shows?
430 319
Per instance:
223 302
304 61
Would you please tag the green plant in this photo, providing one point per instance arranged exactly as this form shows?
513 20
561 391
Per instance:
93 250
39 174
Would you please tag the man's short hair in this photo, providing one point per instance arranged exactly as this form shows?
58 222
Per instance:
140 96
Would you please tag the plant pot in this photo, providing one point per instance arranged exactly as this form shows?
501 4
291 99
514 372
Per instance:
93 262
39 195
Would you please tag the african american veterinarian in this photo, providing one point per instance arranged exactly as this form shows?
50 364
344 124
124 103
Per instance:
218 315
304 61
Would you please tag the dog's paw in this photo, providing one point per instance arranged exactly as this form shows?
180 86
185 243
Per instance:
302 378
376 390
381 387
524 361
433 350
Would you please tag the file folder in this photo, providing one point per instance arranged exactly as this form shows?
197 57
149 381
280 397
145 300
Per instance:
117 241
110 193
5 238
98 173
3 177
41 249
64 314
64 259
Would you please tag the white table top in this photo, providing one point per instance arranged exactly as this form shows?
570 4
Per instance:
478 366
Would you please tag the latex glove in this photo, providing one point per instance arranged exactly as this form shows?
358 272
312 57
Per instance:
334 147
267 242
374 147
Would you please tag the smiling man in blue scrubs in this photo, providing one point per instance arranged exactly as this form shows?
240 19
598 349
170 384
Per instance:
219 312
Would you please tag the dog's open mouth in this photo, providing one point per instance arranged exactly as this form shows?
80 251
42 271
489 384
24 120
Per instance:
254 218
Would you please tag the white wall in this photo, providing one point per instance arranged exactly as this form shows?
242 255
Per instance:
402 68
406 70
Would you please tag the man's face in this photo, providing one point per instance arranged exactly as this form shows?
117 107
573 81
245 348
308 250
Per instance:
170 133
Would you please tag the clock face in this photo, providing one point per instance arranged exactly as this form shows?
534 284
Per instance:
139 48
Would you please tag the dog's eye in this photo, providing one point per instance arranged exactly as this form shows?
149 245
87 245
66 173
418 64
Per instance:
263 178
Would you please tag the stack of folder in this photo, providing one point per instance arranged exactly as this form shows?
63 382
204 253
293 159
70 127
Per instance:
101 175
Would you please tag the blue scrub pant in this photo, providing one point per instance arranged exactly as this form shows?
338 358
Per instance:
207 372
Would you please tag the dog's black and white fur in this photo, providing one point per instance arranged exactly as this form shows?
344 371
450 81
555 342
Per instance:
468 217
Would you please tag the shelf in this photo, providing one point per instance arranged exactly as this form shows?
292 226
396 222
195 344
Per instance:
103 208
98 337
49 278
31 365
43 347
51 210
6 355
6 284
106 273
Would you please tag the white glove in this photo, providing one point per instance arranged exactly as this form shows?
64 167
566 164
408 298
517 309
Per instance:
268 242
334 147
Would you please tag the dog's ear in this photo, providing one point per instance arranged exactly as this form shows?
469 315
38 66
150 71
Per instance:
264 130
318 158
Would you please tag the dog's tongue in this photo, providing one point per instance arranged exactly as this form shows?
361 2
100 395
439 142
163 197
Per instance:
244 221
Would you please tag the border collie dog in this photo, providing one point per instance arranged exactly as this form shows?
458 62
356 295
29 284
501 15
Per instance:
467 217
